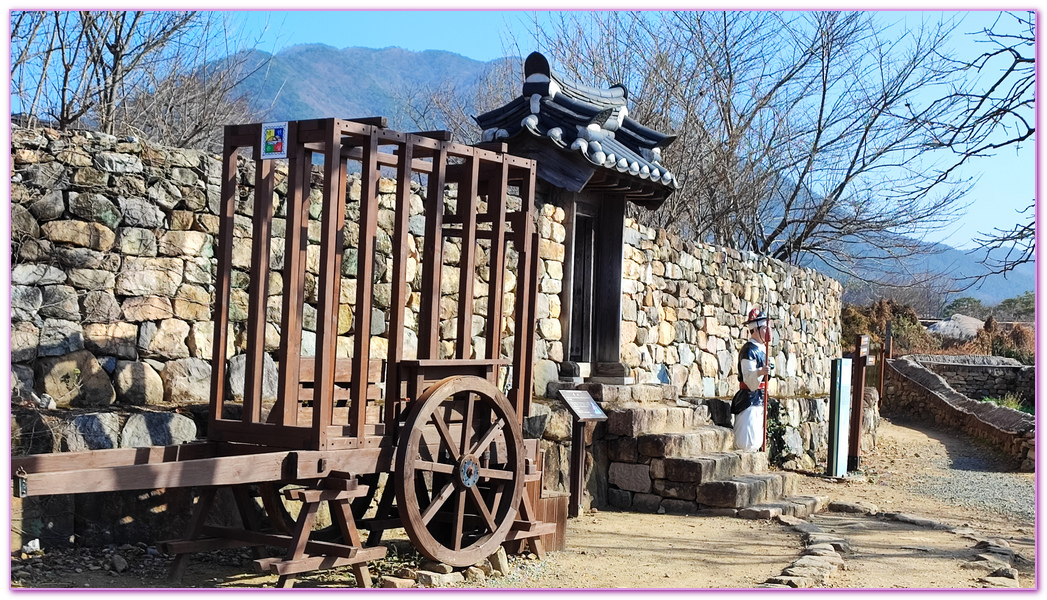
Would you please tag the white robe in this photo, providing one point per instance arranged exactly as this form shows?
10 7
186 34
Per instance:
748 424
748 429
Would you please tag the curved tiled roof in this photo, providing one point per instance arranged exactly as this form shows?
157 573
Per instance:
591 122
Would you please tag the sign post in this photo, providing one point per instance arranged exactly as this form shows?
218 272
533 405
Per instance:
839 416
584 409
859 360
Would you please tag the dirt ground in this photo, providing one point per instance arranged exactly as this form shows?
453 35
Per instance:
633 550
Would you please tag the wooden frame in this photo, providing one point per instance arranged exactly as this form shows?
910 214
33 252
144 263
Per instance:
324 446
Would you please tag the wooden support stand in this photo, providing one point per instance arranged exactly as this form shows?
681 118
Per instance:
303 555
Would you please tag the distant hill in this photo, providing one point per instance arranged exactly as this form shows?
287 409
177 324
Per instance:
959 265
310 81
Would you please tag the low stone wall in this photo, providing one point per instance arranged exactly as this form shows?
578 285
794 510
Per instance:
914 392
980 377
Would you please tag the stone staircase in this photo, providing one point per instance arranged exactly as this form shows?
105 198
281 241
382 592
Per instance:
673 459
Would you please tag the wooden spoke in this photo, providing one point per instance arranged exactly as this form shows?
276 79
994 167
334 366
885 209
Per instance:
478 500
426 465
467 421
488 437
438 502
459 520
455 532
497 474
445 434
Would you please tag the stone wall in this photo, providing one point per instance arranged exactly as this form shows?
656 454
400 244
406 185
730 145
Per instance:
979 377
913 392
683 307
113 284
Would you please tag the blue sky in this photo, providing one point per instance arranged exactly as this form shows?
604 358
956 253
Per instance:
1006 182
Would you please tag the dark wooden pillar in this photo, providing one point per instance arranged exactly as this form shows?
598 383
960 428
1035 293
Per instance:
569 369
607 290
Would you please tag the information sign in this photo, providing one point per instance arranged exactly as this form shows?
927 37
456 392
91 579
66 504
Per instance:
582 405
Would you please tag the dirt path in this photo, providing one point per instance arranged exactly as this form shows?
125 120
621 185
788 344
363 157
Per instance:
632 550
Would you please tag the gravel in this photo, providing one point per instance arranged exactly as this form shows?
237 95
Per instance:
975 482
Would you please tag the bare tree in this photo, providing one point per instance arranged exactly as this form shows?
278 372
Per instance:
799 134
127 71
998 113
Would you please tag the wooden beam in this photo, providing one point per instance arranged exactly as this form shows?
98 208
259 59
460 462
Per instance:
282 567
364 285
224 470
258 291
289 353
117 457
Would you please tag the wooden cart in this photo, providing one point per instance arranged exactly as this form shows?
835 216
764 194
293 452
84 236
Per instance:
441 427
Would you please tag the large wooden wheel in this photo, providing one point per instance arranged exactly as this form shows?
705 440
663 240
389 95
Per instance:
459 470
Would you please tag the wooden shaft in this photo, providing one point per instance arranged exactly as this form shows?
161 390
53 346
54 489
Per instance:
467 261
577 468
289 356
223 282
496 203
432 260
258 291
401 287
328 284
364 283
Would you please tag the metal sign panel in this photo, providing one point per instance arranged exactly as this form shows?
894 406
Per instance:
274 140
863 347
582 405
839 417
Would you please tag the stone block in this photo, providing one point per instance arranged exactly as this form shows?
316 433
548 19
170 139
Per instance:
25 302
36 274
58 337
679 507
93 431
157 429
138 212
147 308
646 503
620 499
137 384
149 276
80 233
25 341
622 449
237 372
187 381
113 339
100 306
674 489
631 477
74 380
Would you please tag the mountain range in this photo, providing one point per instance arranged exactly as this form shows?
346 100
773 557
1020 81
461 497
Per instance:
310 81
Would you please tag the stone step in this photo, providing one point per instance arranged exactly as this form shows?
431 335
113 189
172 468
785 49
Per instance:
800 507
633 420
701 440
709 467
747 490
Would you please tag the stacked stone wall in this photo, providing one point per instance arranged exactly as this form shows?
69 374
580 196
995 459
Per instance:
977 381
683 309
913 392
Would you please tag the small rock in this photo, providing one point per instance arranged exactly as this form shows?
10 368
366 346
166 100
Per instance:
499 560
435 567
1005 572
439 579
407 573
475 574
389 581
118 562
